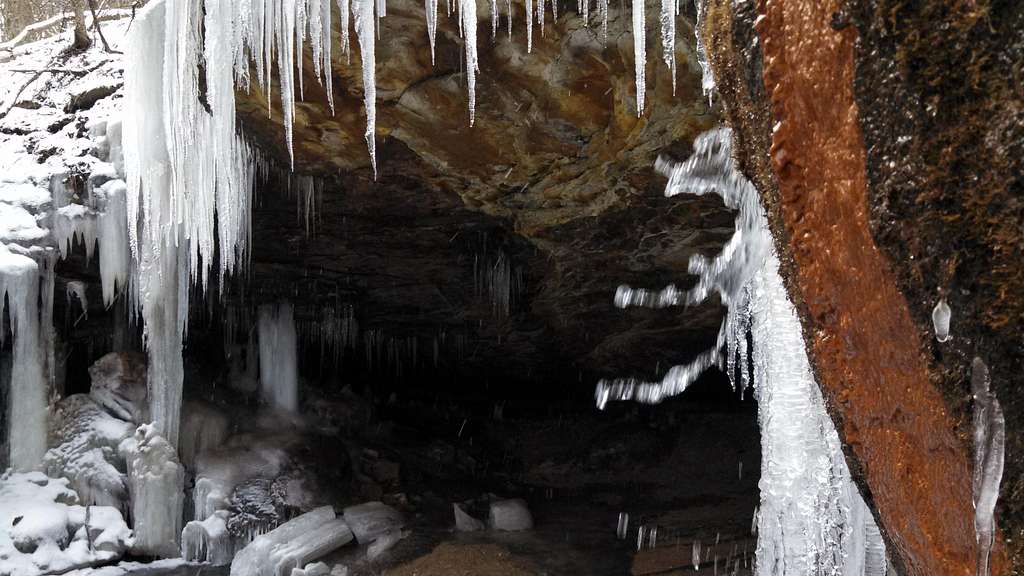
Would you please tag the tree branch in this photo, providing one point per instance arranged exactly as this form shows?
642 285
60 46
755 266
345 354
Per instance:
96 26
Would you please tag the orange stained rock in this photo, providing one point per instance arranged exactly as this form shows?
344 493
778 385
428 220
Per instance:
867 353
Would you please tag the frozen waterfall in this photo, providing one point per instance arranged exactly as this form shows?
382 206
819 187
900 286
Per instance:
279 373
27 409
811 519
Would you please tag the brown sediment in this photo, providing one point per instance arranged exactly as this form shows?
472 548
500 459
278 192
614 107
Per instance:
866 350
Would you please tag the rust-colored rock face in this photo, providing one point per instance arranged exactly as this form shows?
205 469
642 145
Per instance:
866 350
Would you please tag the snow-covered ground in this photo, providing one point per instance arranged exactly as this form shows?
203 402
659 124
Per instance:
44 530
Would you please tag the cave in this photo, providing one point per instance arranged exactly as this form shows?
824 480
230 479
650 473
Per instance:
338 287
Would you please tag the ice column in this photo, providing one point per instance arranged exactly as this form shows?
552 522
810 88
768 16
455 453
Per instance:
155 479
27 410
279 372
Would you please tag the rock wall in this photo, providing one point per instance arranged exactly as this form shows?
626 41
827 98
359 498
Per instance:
882 138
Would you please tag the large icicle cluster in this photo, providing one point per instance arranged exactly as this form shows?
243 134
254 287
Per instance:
812 519
270 32
189 175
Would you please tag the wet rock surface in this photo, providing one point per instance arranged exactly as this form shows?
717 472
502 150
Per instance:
935 121
942 116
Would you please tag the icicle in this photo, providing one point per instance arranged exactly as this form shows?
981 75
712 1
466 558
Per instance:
300 34
602 13
431 11
508 17
363 12
529 26
989 448
343 15
668 37
940 320
639 53
494 19
707 77
286 42
467 16
327 41
540 15
115 259
314 20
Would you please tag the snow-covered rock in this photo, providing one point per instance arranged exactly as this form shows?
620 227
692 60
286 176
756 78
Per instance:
119 385
44 530
510 515
370 520
86 440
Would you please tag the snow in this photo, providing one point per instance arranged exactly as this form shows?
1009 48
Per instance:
18 225
279 372
43 529
811 517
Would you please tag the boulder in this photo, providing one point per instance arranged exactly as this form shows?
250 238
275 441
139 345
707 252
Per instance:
510 515
119 386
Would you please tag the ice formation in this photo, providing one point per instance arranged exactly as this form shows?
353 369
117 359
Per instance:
707 77
256 558
989 452
639 53
208 540
27 412
279 373
668 37
811 518
940 320
370 520
155 480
